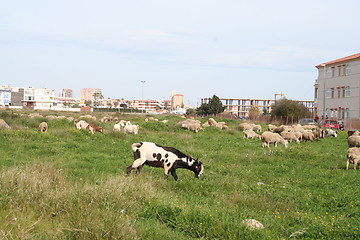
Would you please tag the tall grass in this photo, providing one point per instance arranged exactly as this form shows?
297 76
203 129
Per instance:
70 184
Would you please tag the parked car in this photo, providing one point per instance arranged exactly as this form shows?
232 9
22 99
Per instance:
329 123
307 121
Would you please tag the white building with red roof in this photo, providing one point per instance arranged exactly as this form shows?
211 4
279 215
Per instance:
337 88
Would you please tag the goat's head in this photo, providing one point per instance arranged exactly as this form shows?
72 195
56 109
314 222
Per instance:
198 168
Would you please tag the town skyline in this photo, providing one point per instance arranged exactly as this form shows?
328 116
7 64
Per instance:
232 48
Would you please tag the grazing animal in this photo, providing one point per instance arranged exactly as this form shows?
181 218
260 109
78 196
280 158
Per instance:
43 127
250 134
151 154
131 129
353 156
270 137
82 124
290 136
354 141
330 133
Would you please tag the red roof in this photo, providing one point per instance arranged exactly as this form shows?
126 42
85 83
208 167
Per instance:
340 60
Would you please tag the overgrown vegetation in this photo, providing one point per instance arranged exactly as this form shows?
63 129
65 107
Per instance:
70 184
289 108
213 107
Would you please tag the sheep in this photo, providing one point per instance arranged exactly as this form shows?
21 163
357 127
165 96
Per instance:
131 129
117 127
353 133
353 156
308 135
354 141
290 136
246 126
250 134
270 137
151 154
43 127
192 126
257 128
271 127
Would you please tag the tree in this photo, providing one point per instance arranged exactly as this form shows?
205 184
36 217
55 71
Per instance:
254 112
212 108
289 108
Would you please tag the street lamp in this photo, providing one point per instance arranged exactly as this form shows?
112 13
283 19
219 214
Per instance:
142 93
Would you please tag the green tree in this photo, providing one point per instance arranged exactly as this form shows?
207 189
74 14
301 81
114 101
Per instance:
212 108
289 108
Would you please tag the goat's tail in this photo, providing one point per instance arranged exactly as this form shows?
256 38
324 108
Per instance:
136 146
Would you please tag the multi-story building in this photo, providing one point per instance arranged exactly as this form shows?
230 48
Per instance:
177 101
91 94
150 105
66 93
5 97
242 106
38 98
337 88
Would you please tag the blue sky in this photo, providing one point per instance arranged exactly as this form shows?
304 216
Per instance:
234 49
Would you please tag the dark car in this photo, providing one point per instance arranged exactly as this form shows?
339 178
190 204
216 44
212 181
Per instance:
307 121
329 123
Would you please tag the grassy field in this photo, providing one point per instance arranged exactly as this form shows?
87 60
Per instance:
70 184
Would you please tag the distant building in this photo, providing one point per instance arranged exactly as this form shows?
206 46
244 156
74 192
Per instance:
91 94
242 106
149 105
66 93
5 97
177 101
337 92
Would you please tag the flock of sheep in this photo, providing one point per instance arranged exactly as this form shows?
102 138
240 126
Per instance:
273 135
285 134
353 153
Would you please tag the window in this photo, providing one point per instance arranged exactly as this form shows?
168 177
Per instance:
347 91
338 92
343 91
348 69
332 71
347 113
328 72
332 92
328 93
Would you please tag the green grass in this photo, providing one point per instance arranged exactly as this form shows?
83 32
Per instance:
70 184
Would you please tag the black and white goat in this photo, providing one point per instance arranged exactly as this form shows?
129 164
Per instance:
151 154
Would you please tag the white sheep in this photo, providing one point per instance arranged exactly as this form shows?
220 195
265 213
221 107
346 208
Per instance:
353 156
308 135
270 137
43 127
271 127
131 129
291 136
256 128
354 141
250 134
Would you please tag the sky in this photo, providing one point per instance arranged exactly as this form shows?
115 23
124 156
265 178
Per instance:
230 48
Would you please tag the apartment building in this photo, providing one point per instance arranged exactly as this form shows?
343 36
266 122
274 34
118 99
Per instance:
337 88
66 93
91 94
242 106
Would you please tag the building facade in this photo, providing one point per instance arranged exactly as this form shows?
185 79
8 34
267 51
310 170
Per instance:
337 88
177 101
66 93
242 106
91 94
